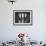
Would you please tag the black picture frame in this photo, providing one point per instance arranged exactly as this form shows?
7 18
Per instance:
25 17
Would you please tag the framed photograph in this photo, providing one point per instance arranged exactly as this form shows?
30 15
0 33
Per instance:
22 17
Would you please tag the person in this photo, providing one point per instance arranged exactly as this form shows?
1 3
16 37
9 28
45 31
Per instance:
18 18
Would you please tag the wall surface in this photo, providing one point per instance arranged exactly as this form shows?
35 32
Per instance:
38 29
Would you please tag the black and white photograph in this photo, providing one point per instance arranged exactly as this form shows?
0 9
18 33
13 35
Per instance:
22 17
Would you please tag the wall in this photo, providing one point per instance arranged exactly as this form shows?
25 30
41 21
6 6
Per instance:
37 31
